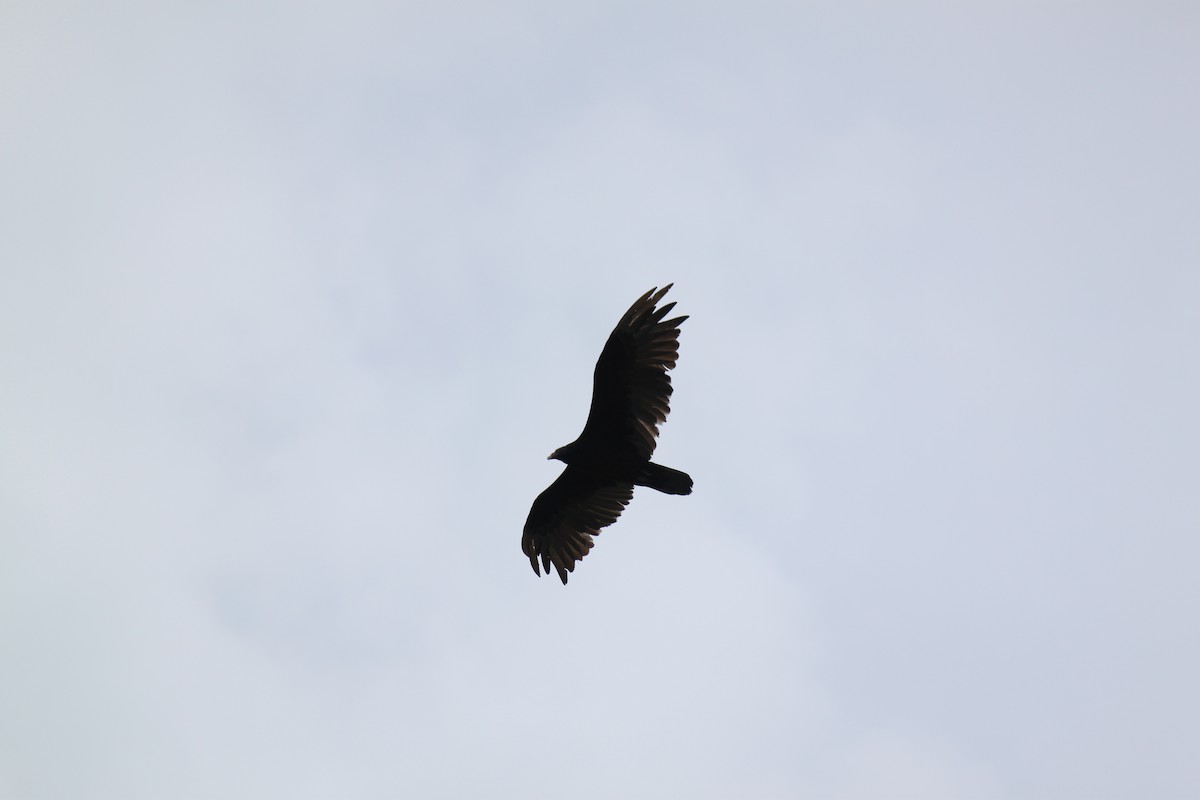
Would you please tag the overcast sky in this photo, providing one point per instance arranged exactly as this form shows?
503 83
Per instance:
295 298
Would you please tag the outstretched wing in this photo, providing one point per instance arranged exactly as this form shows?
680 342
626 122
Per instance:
566 516
631 390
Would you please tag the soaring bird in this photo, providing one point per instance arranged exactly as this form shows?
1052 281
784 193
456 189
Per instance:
631 395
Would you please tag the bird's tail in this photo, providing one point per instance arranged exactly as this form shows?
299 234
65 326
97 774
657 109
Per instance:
665 479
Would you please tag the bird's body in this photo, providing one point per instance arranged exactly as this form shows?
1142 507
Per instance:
630 399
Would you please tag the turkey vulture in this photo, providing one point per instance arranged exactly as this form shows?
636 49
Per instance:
630 397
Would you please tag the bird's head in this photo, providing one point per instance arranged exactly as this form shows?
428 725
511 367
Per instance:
562 454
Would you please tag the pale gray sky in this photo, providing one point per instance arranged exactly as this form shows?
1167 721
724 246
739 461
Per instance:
294 299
